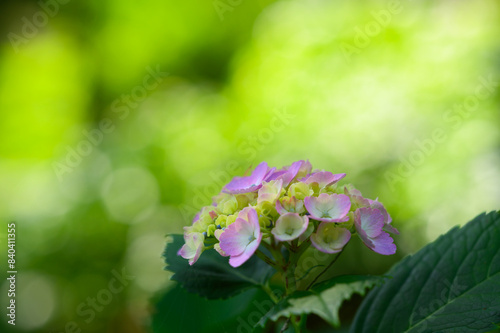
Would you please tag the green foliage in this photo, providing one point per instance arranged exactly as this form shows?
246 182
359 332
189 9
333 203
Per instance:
270 83
180 311
451 285
324 299
212 276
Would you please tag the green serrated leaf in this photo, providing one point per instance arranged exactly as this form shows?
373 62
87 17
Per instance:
451 285
324 299
211 276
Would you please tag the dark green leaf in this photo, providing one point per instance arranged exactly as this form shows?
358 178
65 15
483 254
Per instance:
180 311
212 276
451 285
324 299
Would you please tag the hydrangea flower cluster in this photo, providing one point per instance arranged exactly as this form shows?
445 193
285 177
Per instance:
292 204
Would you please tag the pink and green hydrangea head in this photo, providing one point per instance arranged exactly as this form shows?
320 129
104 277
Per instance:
292 205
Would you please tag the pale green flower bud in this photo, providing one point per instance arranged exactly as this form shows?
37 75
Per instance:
270 192
228 205
230 219
300 190
221 220
210 230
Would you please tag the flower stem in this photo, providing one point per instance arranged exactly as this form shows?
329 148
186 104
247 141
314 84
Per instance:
303 247
269 292
291 266
285 325
324 270
276 252
288 247
267 260
290 282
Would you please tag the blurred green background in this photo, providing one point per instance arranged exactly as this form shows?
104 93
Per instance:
103 153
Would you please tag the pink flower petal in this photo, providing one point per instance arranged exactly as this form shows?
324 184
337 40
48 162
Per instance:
323 178
328 207
249 183
241 238
384 244
391 229
351 190
193 247
286 175
369 223
279 208
269 173
249 214
275 175
387 218
305 169
359 201
237 261
235 238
